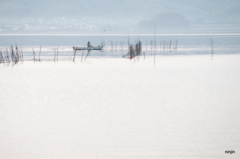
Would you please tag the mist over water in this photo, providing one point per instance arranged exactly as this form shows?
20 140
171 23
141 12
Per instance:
178 100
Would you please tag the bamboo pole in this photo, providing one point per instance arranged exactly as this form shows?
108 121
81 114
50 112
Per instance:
87 55
39 54
33 55
74 54
57 53
82 55
212 47
155 43
112 47
22 55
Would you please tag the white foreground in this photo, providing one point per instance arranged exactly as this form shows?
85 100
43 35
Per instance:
181 107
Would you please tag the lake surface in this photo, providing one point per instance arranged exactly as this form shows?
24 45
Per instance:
117 44
184 106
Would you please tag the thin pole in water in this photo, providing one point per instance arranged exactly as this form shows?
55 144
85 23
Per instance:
39 55
212 47
155 43
57 53
87 55
74 54
22 55
82 55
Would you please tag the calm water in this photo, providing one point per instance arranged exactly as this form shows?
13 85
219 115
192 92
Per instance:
182 107
116 45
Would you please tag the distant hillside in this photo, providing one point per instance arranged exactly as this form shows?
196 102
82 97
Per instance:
119 13
191 9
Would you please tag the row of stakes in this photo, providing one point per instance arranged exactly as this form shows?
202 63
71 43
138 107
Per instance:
15 54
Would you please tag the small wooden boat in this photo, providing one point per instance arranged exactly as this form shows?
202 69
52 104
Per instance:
89 47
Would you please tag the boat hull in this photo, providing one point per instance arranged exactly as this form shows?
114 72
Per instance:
88 48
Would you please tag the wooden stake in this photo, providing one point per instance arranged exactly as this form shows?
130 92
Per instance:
39 55
87 55
82 55
74 54
155 43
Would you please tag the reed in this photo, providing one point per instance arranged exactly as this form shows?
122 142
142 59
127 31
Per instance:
12 54
16 55
2 58
134 50
7 57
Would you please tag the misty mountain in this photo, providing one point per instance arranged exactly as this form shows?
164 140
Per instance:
100 14
166 21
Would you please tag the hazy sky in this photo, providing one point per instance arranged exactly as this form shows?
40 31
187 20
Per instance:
71 16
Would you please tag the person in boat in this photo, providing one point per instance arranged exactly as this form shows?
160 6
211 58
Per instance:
89 44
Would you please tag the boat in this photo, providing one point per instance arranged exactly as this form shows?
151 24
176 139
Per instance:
89 47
